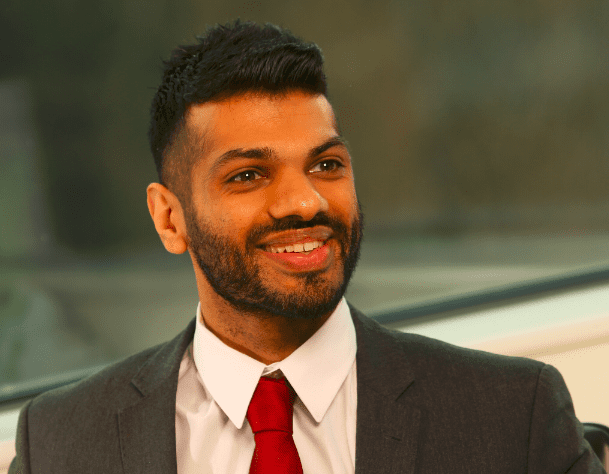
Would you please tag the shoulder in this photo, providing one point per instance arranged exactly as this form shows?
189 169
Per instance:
458 390
100 388
423 350
113 388
468 402
84 417
439 367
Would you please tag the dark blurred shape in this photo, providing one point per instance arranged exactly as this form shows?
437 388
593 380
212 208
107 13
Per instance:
598 437
23 204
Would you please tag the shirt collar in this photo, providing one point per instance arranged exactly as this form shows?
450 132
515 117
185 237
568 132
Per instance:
316 370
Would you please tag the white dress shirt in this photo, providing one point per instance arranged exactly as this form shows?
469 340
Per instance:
216 384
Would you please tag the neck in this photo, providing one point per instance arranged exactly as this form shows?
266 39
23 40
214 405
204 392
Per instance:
265 337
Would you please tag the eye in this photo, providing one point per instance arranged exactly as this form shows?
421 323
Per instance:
246 176
327 166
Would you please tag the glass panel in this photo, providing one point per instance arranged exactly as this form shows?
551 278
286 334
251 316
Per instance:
479 131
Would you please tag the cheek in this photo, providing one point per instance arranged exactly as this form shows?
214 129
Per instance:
235 217
342 200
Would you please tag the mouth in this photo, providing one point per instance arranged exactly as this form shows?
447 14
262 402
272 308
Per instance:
303 248
301 256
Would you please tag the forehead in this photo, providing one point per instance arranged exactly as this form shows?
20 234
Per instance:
284 123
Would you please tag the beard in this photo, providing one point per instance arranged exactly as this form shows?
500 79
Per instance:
234 274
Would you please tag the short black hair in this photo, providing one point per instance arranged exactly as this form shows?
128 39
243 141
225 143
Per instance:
228 60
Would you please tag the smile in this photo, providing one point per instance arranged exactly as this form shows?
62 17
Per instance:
301 257
296 248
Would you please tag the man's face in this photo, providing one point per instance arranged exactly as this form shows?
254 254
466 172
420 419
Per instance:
273 220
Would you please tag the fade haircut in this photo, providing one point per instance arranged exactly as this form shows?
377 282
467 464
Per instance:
227 60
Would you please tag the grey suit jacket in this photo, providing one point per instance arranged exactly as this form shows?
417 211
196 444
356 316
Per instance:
424 406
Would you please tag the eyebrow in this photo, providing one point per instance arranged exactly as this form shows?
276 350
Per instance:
266 153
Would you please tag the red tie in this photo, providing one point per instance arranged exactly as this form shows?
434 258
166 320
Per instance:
270 416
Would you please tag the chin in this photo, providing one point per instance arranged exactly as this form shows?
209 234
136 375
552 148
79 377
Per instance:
311 302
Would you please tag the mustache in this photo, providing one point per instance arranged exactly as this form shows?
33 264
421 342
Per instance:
294 223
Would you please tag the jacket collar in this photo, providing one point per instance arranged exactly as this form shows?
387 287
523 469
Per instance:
387 425
147 428
164 362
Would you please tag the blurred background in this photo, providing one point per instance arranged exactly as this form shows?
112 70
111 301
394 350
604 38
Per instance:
479 132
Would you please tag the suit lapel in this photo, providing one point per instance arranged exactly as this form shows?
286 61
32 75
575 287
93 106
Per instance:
387 426
147 428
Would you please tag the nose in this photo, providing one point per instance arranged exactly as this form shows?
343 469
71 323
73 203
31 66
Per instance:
295 196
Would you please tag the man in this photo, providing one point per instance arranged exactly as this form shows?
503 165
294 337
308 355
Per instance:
277 373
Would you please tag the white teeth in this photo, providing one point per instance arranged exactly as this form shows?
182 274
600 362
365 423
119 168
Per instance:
306 247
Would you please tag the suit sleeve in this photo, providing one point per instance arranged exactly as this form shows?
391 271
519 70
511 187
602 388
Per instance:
556 437
21 462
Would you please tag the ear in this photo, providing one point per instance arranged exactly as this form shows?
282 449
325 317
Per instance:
168 217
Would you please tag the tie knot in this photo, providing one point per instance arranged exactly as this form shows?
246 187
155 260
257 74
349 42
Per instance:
271 406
